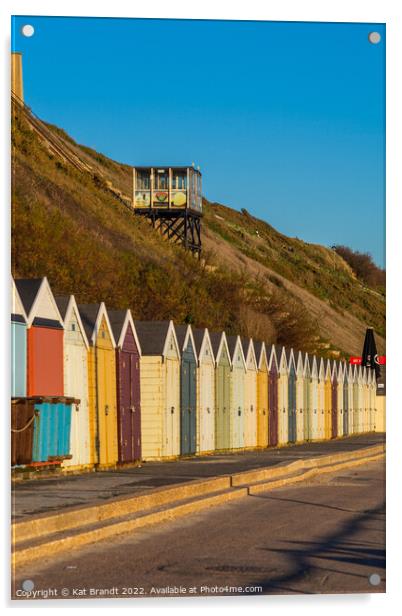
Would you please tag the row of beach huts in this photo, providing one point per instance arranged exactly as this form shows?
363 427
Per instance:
93 388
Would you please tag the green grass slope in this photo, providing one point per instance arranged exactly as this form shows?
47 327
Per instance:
67 225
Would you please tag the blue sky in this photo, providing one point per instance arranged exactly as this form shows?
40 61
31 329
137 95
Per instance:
284 119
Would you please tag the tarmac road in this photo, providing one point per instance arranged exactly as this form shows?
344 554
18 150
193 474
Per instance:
326 535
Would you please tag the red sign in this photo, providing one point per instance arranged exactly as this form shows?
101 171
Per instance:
355 361
380 360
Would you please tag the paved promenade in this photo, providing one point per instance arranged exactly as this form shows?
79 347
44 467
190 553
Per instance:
41 496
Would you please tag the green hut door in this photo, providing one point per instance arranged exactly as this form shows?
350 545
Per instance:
188 404
222 413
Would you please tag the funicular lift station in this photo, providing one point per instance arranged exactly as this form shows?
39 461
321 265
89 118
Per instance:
171 198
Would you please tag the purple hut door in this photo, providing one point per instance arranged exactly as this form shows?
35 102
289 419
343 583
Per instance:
136 405
125 410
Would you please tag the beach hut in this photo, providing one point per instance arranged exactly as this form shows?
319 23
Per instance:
188 390
314 398
45 362
251 410
76 381
356 407
321 400
262 394
292 409
359 399
327 399
238 414
205 391
307 408
101 385
344 370
160 389
18 344
334 399
373 385
380 401
273 419
340 398
363 416
222 390
300 401
366 399
128 388
283 403
350 370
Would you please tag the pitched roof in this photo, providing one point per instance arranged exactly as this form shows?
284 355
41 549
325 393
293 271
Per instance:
245 342
62 305
88 314
28 289
117 319
198 335
215 338
181 331
231 340
257 347
288 353
152 336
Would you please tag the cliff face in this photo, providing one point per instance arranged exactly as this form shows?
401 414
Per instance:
69 225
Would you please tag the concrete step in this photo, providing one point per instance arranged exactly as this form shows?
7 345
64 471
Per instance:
57 542
67 519
308 473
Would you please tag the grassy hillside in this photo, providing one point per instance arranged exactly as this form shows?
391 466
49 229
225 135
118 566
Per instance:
69 226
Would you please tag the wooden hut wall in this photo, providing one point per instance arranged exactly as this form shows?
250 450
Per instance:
262 396
160 393
314 399
351 391
321 399
283 421
76 383
340 398
334 400
106 402
327 401
307 406
292 409
273 410
188 391
300 402
238 415
222 395
45 362
250 396
128 354
205 396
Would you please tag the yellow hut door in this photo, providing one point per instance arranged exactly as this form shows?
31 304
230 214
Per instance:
106 407
262 406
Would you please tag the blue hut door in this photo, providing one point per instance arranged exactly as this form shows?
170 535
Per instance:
188 405
292 407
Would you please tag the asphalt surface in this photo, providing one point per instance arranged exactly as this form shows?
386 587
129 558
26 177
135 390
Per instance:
41 496
326 535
